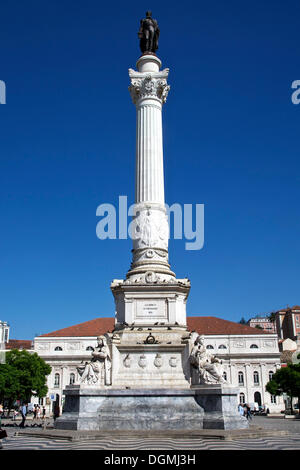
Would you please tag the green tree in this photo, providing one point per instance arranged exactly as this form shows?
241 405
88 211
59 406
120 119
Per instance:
22 376
272 316
286 380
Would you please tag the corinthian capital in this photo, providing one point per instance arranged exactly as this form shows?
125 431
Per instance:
149 85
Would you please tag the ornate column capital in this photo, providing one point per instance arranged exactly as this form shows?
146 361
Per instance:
149 85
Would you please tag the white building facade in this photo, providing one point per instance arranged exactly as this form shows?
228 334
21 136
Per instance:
249 361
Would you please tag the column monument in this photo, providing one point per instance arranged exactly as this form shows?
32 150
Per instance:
150 372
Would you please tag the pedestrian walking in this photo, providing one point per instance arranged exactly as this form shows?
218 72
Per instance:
34 412
3 434
23 411
56 411
241 410
247 412
38 413
44 413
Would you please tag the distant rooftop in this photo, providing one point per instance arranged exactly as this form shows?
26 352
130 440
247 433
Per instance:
203 325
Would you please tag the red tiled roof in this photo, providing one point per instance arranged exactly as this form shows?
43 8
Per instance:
95 327
203 325
19 344
218 326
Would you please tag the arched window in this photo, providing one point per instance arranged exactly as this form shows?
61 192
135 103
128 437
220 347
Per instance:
222 346
225 375
253 346
56 380
58 348
241 378
242 398
257 398
271 373
90 348
209 346
72 378
256 377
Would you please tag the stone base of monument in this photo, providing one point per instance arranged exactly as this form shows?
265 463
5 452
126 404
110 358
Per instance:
202 407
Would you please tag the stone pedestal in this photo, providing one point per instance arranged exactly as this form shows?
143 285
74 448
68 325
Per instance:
151 357
209 407
150 301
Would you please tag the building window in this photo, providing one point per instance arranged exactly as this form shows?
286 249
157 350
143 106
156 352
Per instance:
255 378
273 399
297 322
72 378
58 348
241 378
56 380
6 335
224 376
89 348
222 346
41 401
271 373
253 346
242 398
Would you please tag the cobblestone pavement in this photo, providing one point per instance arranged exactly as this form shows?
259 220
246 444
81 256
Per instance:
289 442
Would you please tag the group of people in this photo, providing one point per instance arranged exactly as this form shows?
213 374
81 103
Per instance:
37 412
245 410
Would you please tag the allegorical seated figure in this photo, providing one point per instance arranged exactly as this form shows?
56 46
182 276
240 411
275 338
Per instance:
97 371
208 368
148 34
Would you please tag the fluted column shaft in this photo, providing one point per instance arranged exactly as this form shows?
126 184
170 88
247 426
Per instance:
149 182
149 90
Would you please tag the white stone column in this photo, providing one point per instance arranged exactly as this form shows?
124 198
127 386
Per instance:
151 294
150 228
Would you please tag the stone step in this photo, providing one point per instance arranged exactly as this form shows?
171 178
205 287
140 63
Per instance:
251 433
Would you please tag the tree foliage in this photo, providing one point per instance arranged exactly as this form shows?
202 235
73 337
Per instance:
272 317
23 375
286 380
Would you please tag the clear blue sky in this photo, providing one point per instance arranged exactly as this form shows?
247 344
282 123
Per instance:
67 144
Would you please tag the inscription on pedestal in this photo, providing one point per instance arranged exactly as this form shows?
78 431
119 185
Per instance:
151 309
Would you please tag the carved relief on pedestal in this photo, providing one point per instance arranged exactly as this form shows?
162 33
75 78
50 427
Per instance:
97 371
158 361
206 368
142 361
127 361
150 228
173 361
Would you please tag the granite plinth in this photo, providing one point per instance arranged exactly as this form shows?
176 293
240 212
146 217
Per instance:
204 407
